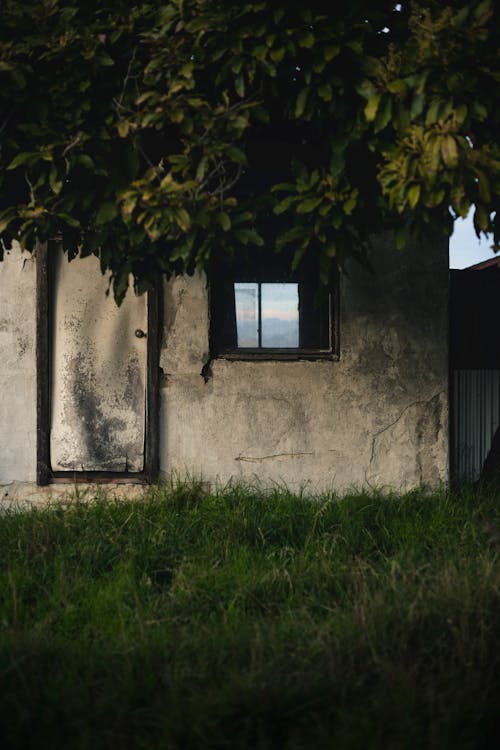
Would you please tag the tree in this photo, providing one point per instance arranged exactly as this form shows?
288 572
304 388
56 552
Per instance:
160 136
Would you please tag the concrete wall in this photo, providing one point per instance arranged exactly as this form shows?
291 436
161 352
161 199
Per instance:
378 417
17 367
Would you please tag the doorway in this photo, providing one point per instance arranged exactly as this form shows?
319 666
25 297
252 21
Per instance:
97 368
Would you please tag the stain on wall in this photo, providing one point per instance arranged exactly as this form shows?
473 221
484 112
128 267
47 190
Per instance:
98 373
17 367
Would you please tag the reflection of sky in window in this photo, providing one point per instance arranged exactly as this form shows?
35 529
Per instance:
247 314
279 315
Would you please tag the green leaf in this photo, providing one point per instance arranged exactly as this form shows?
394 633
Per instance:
417 106
479 111
249 235
337 163
397 87
239 85
202 168
277 55
460 17
308 205
372 107
383 114
107 212
481 220
282 186
400 237
236 155
5 221
123 127
285 204
325 92
482 9
350 204
54 182
433 156
433 112
104 59
366 89
331 51
435 198
484 186
306 40
224 221
449 151
461 113
183 219
290 235
23 158
70 220
301 102
86 161
260 52
413 196
129 203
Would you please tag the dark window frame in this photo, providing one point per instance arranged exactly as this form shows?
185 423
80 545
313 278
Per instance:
259 267
44 473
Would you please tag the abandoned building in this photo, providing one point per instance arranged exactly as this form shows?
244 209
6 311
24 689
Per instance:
243 376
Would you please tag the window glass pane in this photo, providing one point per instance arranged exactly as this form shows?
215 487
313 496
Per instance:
246 297
280 315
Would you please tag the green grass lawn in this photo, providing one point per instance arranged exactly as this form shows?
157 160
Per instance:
246 620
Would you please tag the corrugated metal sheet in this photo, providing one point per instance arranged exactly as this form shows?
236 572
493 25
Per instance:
477 415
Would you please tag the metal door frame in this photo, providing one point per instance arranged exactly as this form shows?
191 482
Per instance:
44 473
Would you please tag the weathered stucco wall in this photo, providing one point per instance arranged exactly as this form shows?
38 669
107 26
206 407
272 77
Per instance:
378 417
17 367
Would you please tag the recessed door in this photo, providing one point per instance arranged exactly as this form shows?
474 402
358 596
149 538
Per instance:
101 362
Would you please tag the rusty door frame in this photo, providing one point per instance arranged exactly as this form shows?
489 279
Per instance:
44 473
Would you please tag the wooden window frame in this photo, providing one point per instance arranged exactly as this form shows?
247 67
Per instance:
261 269
44 473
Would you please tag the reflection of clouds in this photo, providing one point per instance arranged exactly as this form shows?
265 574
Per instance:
246 301
280 301
280 314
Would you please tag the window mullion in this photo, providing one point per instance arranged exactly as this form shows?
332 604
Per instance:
259 325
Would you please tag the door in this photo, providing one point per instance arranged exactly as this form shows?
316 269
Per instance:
101 387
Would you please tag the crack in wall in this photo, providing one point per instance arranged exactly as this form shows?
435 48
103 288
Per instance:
257 459
421 402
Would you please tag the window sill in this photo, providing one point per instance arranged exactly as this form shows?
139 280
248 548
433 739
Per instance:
278 355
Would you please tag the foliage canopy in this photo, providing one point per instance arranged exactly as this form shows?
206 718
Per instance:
161 135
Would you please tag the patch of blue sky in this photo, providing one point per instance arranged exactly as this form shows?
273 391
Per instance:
465 248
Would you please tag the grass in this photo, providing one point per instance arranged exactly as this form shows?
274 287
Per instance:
246 620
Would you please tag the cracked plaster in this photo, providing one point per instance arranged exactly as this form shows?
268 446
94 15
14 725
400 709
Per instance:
377 417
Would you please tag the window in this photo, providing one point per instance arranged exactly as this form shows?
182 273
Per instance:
267 315
260 309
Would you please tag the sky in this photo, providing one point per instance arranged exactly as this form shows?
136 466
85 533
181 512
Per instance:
465 248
